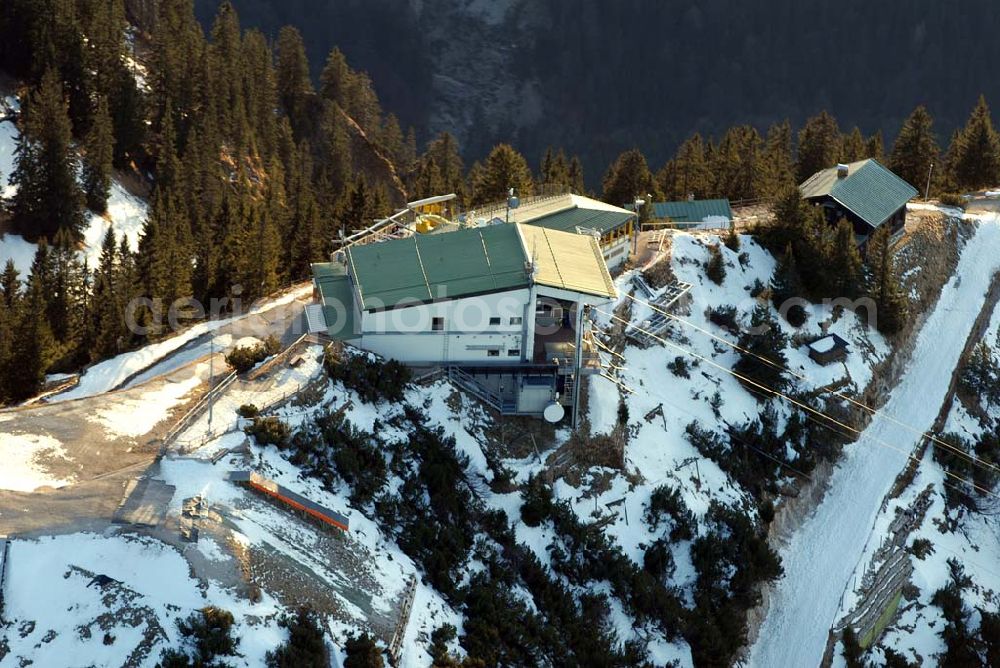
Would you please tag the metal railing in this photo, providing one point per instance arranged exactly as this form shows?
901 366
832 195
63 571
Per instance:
396 643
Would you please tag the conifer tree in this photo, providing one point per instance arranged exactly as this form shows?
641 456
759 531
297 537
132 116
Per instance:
627 177
915 148
790 215
875 147
975 156
885 289
554 168
333 160
787 285
6 332
427 180
260 90
48 196
391 138
32 339
737 166
819 145
853 147
236 254
764 340
294 85
97 161
444 151
178 64
10 284
104 332
575 176
845 263
272 217
688 173
779 168
64 293
226 77
504 168
167 165
335 78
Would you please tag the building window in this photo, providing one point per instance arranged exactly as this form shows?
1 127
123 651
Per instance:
513 352
516 320
437 324
494 321
493 353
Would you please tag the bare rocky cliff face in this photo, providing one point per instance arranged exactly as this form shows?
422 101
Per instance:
477 94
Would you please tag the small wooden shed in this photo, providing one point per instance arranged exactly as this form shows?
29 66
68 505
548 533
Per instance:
828 349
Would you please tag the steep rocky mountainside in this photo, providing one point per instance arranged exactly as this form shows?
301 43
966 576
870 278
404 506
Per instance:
598 78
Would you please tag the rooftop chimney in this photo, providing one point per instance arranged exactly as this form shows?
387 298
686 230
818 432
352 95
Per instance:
842 171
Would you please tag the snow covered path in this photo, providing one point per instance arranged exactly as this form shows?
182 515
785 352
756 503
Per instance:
821 557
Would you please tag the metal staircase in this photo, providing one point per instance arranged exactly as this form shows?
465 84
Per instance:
648 331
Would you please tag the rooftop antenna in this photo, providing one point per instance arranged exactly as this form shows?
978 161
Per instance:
531 266
512 202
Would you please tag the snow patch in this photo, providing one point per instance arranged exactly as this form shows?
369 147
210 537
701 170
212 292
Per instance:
21 470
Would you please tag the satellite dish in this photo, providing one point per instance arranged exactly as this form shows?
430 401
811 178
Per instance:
554 412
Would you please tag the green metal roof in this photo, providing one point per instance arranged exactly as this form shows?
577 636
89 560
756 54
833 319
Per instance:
425 268
692 211
337 297
595 219
869 190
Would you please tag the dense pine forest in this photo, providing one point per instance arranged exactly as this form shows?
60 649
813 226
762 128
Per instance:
607 76
252 168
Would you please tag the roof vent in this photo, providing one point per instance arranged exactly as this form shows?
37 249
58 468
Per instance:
842 170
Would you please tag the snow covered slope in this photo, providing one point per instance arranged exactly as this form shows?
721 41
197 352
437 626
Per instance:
821 557
110 374
126 213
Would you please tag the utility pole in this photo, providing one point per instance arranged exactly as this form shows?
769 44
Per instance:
211 378
927 190
637 203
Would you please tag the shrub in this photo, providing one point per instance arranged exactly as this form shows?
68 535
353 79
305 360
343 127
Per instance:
370 378
243 358
732 239
358 461
537 506
980 376
679 367
438 650
921 548
853 654
724 317
269 431
362 652
305 647
767 342
715 268
658 561
248 411
667 503
210 633
659 274
731 559
952 199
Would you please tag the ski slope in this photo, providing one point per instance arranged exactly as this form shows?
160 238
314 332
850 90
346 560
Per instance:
821 557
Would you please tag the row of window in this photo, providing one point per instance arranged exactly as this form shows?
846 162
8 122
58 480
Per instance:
437 324
495 352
